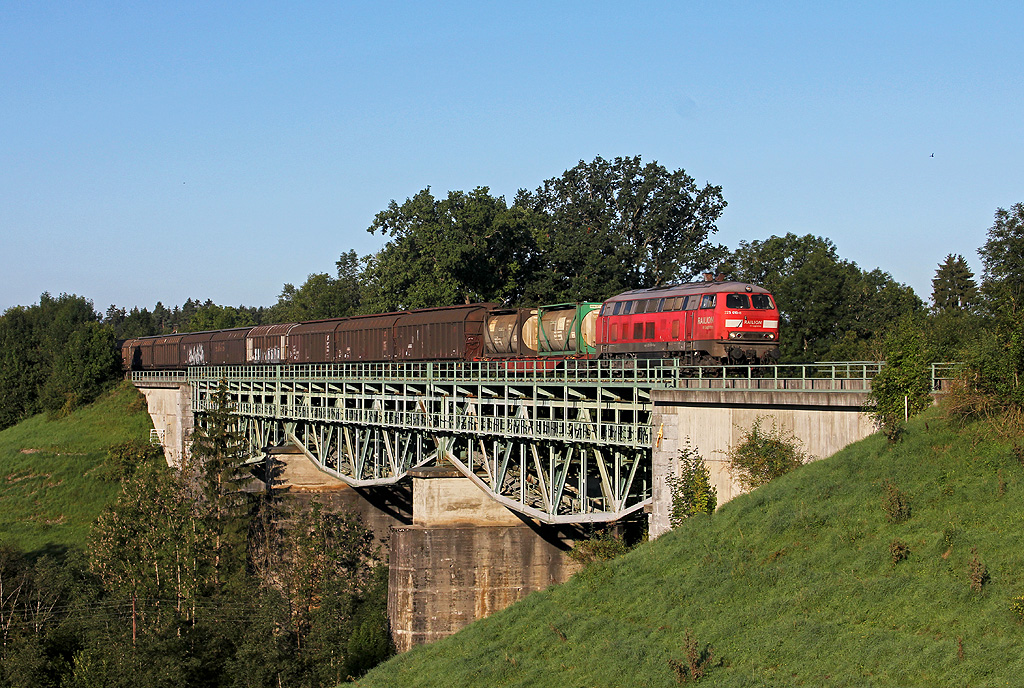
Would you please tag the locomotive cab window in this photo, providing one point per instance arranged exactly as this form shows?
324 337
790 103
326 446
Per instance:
692 302
737 301
707 301
762 301
618 307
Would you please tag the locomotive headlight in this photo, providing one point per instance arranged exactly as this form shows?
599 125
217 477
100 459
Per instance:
735 335
770 335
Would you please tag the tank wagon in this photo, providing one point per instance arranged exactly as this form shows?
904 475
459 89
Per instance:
700 322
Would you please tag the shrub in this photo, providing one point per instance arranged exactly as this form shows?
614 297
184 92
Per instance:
691 488
601 547
895 503
696 663
989 383
123 459
902 386
977 572
898 550
763 455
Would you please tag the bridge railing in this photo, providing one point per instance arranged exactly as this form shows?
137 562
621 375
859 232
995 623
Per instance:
847 376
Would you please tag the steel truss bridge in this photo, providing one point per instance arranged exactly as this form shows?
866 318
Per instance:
565 442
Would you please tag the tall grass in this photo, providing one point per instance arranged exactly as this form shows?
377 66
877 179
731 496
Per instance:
51 488
793 584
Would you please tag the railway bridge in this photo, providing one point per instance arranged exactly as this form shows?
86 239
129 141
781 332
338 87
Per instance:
507 460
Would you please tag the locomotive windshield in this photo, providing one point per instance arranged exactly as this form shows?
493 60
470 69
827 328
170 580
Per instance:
760 301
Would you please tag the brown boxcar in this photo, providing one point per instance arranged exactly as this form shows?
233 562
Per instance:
161 352
227 347
131 355
366 338
312 342
441 334
195 348
267 343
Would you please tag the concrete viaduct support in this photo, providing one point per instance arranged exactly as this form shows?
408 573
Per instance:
170 408
714 420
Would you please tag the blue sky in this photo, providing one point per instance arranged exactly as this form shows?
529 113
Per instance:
153 151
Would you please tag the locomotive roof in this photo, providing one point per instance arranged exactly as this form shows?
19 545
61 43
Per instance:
690 288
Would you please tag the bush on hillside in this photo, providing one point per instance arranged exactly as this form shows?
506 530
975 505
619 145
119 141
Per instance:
600 547
763 455
901 388
991 380
691 488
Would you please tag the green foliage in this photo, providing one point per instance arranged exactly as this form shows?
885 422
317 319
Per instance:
54 356
763 455
125 458
216 464
991 380
87 365
322 296
604 546
895 503
902 388
691 489
608 226
1003 259
210 316
465 248
953 287
153 544
337 588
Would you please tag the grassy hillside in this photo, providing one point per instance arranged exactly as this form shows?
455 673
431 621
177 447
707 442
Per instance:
50 488
793 584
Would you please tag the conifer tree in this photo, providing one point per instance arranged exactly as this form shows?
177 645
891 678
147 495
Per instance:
953 287
217 464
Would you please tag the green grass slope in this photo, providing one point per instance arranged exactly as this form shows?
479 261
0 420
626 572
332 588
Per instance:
50 487
793 584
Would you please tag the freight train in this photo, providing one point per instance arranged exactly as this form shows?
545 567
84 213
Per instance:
699 322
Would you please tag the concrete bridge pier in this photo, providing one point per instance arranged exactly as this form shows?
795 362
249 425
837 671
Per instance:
170 408
715 420
463 558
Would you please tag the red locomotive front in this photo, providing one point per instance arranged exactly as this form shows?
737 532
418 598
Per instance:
700 322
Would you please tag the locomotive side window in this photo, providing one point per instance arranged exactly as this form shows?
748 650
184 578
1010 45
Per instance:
737 301
762 301
691 303
707 301
618 307
661 305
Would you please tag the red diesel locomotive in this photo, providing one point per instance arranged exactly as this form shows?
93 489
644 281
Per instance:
700 322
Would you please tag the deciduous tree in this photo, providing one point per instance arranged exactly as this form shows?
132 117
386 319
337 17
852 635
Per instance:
464 248
611 226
